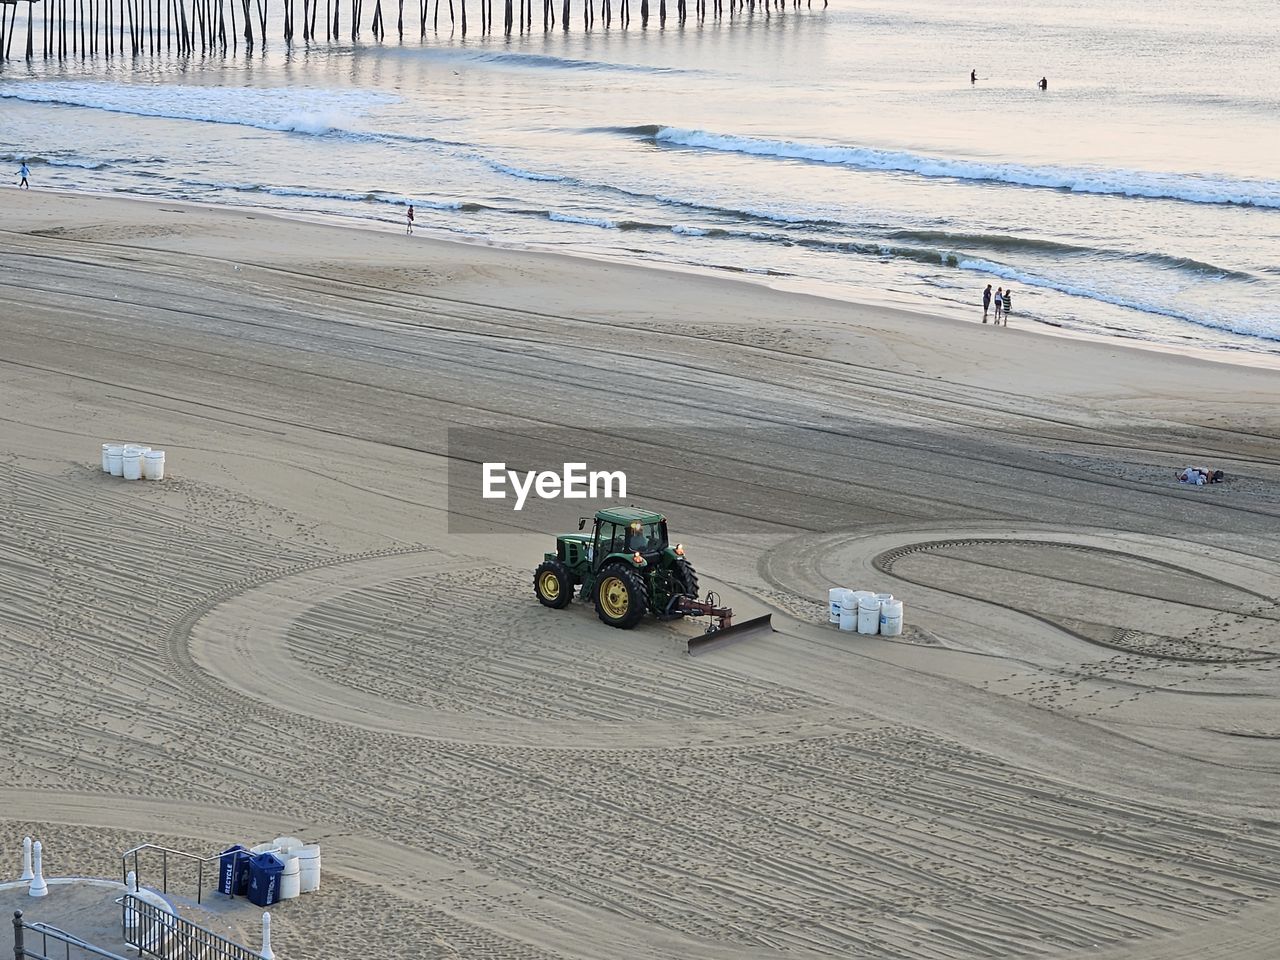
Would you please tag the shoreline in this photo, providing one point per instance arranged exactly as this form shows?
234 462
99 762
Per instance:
786 284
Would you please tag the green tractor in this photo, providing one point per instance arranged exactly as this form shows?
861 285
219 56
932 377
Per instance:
628 568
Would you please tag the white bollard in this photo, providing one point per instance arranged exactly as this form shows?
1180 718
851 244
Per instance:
131 915
267 952
38 887
26 859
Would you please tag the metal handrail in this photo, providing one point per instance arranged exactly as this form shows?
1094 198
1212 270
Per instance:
164 866
46 931
166 936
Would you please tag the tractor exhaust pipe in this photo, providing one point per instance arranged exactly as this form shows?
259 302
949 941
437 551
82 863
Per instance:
718 637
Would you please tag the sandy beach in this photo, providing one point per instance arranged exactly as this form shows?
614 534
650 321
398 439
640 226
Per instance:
1071 751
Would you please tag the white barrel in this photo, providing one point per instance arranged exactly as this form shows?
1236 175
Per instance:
848 611
834 596
263 848
106 464
287 844
868 615
309 867
891 618
115 459
153 465
291 879
131 463
882 597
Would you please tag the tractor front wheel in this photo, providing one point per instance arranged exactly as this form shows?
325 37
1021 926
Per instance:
621 597
553 584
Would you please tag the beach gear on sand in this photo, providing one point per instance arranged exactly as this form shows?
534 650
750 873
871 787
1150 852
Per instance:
1200 476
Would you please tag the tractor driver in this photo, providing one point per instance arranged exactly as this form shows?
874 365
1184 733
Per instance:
637 540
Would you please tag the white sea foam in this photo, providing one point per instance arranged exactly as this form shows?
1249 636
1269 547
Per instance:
527 174
82 163
315 112
1192 188
588 221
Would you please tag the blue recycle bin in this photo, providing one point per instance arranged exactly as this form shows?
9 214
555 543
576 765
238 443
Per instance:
233 871
264 879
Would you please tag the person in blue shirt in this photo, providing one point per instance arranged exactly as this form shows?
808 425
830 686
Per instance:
23 172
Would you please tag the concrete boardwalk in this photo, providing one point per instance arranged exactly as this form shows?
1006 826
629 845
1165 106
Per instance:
88 910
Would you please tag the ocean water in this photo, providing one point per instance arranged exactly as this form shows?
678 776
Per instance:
842 149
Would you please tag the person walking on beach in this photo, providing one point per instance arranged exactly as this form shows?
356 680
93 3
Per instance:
973 76
999 303
1043 84
24 173
408 219
986 302
1008 305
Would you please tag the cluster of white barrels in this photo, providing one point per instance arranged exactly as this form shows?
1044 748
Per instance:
301 865
132 461
865 611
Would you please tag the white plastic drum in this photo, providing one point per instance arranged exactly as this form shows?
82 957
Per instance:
848 612
131 463
868 615
891 618
834 596
153 465
309 867
286 844
106 464
291 879
263 848
115 460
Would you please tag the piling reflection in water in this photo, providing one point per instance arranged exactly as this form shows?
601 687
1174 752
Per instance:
89 28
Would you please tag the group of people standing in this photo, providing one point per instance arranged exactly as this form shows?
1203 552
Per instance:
1003 303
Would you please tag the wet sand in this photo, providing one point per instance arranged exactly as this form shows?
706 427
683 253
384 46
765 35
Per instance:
1071 751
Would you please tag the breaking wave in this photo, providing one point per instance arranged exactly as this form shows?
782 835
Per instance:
1191 188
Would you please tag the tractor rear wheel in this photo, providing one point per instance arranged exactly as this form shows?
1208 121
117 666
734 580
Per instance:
621 597
553 584
685 578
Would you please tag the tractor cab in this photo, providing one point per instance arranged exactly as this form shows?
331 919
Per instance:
621 535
